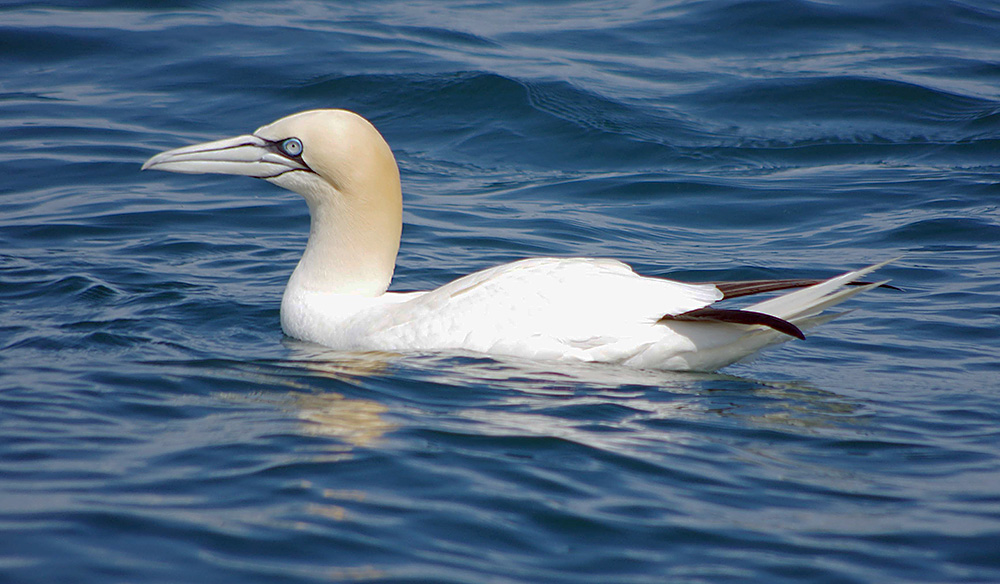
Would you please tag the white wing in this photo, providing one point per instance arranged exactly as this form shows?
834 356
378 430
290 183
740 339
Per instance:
589 309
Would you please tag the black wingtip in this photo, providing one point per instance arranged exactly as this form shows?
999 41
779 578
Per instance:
749 317
749 287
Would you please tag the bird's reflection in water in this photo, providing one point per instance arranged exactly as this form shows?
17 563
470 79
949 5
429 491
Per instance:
319 387
354 421
519 395
358 422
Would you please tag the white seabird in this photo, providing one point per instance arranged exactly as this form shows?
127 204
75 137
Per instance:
576 309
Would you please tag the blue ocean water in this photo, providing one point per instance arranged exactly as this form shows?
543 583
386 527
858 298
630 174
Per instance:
156 426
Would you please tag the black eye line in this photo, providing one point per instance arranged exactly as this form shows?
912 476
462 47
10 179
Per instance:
275 147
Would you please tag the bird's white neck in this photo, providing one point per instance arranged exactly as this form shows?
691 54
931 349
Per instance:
351 249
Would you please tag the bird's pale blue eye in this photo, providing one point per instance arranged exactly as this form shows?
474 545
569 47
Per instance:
292 147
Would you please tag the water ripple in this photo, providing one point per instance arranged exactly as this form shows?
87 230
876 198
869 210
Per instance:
156 426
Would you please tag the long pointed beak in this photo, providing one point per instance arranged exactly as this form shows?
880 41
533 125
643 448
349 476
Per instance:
243 155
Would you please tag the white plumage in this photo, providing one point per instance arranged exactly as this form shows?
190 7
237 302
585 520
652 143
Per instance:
545 308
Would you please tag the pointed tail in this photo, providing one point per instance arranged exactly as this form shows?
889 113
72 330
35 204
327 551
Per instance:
717 344
799 305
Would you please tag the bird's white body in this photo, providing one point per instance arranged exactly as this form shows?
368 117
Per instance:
543 308
582 309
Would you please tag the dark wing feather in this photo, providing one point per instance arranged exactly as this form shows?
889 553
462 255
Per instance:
709 314
748 287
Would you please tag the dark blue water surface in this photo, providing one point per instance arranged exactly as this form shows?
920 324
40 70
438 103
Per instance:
156 426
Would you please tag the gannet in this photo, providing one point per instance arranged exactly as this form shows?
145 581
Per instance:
571 309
